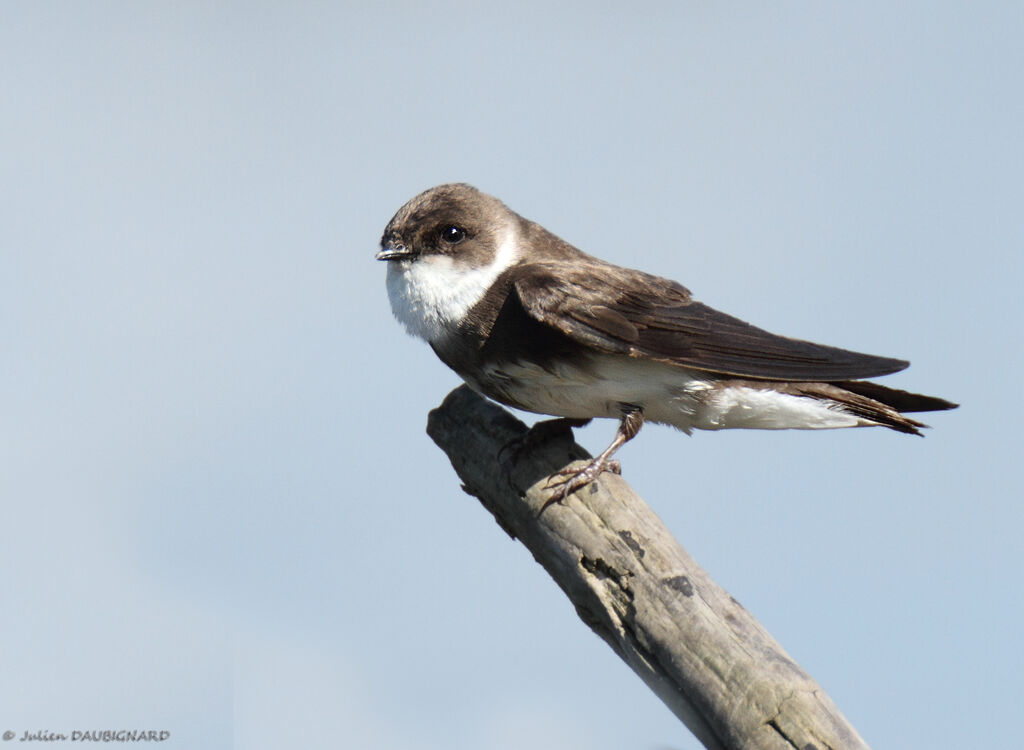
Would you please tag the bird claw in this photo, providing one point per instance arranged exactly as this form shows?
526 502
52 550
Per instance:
576 479
613 465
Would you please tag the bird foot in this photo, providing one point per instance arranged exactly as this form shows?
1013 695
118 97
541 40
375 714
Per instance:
575 479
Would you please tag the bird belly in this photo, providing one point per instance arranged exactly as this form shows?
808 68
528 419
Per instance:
600 385
594 387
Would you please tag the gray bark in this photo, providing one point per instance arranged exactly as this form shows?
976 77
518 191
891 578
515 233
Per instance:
701 652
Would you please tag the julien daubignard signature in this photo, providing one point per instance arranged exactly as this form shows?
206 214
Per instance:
91 735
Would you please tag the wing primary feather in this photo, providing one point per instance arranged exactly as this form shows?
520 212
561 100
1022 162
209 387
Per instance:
623 311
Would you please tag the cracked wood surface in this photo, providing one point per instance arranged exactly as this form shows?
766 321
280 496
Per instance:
695 646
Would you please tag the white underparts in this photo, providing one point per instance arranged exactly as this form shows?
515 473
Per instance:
762 408
431 294
667 394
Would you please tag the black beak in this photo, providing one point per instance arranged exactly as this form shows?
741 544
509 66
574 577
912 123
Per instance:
389 251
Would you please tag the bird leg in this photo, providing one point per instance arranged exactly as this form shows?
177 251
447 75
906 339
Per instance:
629 425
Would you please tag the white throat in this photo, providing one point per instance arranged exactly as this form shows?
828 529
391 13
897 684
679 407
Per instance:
432 294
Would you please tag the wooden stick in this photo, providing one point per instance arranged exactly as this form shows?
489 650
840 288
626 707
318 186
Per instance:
701 652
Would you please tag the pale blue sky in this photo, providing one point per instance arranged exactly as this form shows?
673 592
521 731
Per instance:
221 514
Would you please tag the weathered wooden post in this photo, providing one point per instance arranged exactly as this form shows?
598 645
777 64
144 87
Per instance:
701 652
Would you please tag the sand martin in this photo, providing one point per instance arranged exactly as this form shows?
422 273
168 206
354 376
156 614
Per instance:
530 321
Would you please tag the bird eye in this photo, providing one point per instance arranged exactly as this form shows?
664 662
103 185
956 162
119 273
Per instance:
453 234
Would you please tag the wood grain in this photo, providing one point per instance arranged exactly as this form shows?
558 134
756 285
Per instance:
633 584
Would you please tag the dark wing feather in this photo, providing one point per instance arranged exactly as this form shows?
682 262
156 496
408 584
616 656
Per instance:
645 316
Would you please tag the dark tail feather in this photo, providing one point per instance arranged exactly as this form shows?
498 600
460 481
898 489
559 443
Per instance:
877 403
893 397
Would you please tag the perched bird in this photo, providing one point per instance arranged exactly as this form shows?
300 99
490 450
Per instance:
530 321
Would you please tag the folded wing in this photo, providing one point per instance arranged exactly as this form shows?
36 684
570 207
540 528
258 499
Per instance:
628 312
